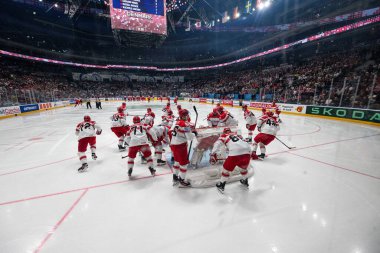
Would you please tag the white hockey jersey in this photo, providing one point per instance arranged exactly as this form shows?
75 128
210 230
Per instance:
226 119
118 120
268 125
167 120
87 129
181 133
234 144
162 133
250 117
138 135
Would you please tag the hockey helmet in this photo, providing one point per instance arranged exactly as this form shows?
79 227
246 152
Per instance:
87 118
183 113
149 109
136 119
227 130
245 107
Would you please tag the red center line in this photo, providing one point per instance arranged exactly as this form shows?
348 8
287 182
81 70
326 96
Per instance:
80 189
335 166
63 218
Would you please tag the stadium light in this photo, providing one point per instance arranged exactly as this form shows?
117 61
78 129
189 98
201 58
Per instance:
238 15
260 6
267 4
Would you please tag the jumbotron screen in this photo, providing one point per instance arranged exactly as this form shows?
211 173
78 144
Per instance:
148 16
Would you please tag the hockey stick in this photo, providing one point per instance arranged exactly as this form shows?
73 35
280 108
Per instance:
195 125
284 143
123 157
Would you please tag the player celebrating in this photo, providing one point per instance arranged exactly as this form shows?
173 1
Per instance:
268 128
251 120
180 135
138 142
162 138
168 120
225 118
213 118
120 127
166 109
86 132
238 157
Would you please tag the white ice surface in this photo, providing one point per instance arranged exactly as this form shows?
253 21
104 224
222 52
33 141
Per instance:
323 196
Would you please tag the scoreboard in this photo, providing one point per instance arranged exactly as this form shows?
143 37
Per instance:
148 16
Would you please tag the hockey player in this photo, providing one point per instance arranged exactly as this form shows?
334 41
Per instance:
238 157
162 134
179 107
168 120
166 109
175 100
251 120
120 127
86 132
268 128
149 116
213 118
225 118
138 142
149 112
124 106
180 135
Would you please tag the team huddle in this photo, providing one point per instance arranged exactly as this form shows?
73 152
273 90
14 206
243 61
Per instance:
176 132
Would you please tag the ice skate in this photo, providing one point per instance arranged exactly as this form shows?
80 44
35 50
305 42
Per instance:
220 186
244 182
183 182
175 180
160 162
130 172
121 148
261 156
83 168
152 171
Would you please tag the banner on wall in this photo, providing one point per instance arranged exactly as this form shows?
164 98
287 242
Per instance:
44 106
29 108
227 102
292 108
203 100
346 113
10 110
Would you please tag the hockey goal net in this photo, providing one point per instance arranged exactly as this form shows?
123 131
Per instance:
200 172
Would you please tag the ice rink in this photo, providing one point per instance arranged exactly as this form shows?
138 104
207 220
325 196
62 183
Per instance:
323 196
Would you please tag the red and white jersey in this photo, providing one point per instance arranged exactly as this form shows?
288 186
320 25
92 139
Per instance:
167 120
150 114
181 133
268 125
162 133
87 129
234 144
250 117
118 120
139 133
226 119
149 120
166 109
213 120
